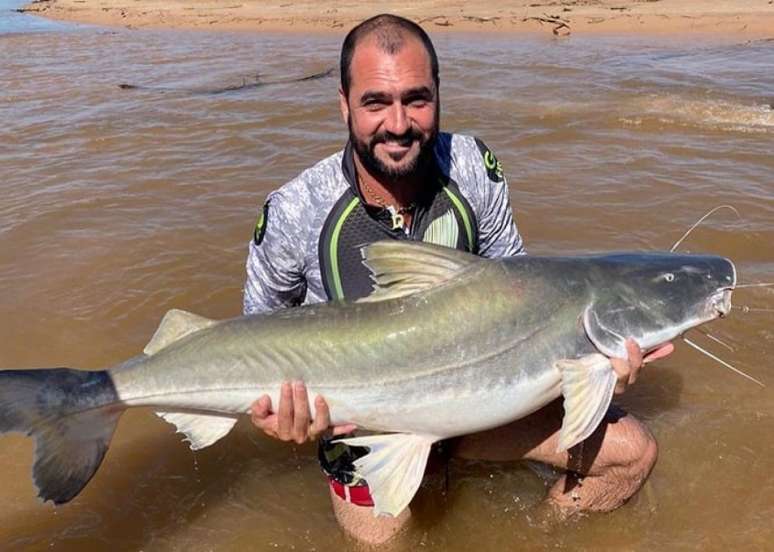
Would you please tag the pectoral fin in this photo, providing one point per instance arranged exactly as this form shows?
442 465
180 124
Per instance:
200 430
393 468
587 386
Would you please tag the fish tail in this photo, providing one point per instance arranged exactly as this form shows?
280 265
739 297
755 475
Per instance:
71 414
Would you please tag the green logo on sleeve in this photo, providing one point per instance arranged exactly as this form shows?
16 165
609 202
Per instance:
260 225
494 169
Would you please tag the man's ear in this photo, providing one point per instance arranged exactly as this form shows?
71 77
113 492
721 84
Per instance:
343 105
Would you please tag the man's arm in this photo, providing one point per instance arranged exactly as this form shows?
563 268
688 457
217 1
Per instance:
497 232
275 268
275 262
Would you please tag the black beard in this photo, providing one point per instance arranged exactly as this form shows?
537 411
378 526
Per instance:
374 165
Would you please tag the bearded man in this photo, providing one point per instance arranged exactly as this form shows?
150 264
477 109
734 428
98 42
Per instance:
400 178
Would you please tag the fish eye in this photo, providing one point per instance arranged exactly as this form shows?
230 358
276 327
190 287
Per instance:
669 277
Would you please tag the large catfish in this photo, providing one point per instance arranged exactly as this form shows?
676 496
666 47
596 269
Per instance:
447 344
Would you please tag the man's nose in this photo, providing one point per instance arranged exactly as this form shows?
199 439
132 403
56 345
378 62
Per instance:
397 120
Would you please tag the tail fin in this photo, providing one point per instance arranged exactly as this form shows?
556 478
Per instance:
71 414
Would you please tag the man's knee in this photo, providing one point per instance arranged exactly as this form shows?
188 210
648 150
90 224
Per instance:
630 448
609 467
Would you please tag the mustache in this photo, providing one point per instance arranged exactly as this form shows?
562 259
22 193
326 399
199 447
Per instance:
405 139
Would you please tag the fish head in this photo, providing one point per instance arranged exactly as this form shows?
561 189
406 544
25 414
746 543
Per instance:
654 298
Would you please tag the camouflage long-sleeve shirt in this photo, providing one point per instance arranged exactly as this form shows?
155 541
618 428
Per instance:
306 245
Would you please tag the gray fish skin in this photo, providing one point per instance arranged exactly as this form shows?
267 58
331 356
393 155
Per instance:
474 352
405 364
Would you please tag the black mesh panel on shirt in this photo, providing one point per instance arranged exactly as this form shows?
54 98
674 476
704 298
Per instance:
358 230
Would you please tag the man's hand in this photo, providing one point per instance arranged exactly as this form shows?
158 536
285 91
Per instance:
628 370
292 421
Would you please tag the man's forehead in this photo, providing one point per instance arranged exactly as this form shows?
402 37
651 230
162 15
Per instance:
372 62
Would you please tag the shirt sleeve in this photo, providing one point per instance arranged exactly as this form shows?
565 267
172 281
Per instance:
497 232
275 263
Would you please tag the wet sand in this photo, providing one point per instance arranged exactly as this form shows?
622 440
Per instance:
751 18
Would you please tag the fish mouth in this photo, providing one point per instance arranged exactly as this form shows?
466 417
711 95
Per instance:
720 302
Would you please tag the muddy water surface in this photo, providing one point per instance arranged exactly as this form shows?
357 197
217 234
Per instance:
119 204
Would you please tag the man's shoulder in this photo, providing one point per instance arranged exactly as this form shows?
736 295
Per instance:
479 178
466 158
321 182
459 143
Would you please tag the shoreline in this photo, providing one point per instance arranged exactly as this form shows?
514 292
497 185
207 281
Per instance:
749 19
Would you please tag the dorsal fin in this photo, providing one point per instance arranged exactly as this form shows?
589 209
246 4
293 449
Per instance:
175 325
400 268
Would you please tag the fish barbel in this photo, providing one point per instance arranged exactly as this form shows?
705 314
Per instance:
443 333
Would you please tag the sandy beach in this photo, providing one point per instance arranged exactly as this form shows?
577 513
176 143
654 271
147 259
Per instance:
748 18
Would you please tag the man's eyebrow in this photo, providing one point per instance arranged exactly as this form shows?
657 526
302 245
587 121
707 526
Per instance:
419 92
370 95
375 95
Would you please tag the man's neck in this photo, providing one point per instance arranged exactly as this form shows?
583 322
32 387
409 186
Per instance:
400 194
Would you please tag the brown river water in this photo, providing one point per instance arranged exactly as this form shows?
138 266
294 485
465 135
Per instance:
119 204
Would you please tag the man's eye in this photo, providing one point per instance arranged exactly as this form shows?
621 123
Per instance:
418 102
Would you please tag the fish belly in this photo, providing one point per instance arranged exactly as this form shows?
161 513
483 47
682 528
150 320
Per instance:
442 411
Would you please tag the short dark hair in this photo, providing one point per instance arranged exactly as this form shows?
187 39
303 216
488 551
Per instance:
390 31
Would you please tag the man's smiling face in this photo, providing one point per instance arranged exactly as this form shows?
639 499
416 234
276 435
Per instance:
392 107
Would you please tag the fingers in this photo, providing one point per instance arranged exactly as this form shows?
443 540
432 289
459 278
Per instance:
635 359
285 412
322 418
343 429
622 372
322 421
292 418
260 409
627 369
300 413
292 421
262 416
661 352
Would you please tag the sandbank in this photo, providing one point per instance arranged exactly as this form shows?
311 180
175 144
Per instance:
753 19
